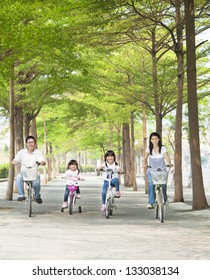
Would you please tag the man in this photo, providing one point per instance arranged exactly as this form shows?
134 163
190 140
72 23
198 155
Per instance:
28 157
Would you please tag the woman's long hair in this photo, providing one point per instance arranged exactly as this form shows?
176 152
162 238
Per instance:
159 142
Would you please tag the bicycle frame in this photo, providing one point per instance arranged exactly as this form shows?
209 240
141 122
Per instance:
72 200
159 203
110 196
29 175
159 178
30 196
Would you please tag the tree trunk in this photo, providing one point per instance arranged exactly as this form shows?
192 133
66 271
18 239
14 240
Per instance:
9 192
119 146
46 153
158 118
111 137
144 123
19 142
119 150
27 124
30 124
49 163
19 128
199 199
126 155
178 196
132 155
33 130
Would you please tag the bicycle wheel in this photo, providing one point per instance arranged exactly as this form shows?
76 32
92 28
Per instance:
108 208
29 200
161 213
156 210
71 204
111 207
161 205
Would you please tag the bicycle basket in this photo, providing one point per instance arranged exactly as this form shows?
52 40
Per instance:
30 174
159 177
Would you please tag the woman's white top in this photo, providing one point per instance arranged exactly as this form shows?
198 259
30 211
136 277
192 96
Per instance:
157 160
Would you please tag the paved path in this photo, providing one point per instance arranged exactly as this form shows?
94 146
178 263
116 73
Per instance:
131 233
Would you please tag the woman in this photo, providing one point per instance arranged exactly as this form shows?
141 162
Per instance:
158 158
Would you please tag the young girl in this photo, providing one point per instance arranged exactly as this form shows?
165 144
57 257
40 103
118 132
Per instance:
110 163
72 176
157 155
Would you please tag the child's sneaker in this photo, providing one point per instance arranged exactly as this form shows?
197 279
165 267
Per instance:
118 194
78 195
103 207
65 205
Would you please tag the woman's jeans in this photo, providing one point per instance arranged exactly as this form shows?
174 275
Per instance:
151 189
114 183
20 186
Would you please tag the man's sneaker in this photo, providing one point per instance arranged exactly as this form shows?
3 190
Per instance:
39 200
150 206
118 194
21 198
78 196
103 207
65 204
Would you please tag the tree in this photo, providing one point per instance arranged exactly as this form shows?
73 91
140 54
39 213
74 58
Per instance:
199 199
9 192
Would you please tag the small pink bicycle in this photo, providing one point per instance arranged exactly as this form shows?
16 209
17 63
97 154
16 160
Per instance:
72 200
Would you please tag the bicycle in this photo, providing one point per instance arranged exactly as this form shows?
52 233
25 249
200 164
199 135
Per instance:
159 178
110 195
30 174
72 200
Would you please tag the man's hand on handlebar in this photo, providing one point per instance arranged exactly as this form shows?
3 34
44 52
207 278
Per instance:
40 163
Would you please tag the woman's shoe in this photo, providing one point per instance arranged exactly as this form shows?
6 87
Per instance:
150 206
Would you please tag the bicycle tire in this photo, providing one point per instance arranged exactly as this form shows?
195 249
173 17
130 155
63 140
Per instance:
111 207
80 209
71 204
161 205
161 213
108 208
156 211
30 200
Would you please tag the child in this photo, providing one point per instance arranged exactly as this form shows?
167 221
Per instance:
110 163
72 176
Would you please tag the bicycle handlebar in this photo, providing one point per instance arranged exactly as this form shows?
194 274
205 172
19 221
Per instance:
109 170
167 165
29 167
